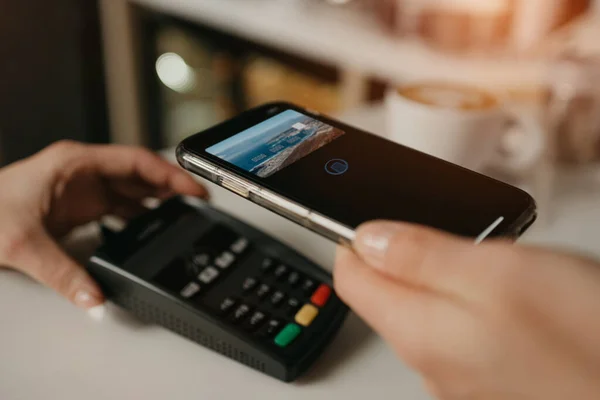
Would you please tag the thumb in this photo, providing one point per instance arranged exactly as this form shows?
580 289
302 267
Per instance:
418 256
47 263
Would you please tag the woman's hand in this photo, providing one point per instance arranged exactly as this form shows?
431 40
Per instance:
44 197
488 322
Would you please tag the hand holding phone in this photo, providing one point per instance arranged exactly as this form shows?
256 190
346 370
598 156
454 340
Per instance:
330 177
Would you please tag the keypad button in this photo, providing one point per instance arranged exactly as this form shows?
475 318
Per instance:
208 275
197 263
280 271
192 268
240 245
266 264
249 284
263 290
306 315
308 286
272 328
287 335
201 259
240 312
321 295
190 290
277 298
225 260
255 321
226 305
292 305
293 278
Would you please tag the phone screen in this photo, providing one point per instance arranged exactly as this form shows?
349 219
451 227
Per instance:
271 146
352 176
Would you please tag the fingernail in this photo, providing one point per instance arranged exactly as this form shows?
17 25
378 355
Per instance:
85 299
373 240
97 313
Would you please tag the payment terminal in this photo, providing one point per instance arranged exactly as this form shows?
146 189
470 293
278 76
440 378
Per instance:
223 284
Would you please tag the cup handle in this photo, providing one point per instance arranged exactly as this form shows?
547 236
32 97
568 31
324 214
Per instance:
523 147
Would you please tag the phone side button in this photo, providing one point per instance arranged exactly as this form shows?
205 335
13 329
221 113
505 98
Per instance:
235 187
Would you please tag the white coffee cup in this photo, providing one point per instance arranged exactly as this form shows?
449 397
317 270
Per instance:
464 125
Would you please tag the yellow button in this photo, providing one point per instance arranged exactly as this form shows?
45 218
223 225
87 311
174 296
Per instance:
307 314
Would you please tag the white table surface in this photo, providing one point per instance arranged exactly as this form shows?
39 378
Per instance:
49 349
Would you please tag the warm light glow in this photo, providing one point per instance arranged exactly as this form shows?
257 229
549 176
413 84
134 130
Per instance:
175 73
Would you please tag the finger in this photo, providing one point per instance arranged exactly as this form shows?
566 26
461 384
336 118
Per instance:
137 195
140 190
45 262
133 189
400 314
132 162
165 194
422 257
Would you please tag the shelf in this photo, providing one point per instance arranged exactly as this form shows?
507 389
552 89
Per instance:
345 39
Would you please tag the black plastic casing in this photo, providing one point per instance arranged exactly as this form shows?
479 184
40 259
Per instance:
124 265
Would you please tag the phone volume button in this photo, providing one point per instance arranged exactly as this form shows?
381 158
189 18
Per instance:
235 187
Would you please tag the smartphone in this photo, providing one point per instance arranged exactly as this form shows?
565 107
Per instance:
331 177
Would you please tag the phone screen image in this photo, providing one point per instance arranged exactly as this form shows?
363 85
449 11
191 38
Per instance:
351 176
276 143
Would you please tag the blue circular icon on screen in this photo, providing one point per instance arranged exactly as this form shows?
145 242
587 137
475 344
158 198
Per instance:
336 166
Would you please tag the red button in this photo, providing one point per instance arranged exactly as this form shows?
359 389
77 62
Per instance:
321 295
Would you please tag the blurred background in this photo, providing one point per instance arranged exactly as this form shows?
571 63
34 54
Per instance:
152 72
155 71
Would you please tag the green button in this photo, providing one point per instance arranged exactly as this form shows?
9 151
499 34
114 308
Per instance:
287 335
